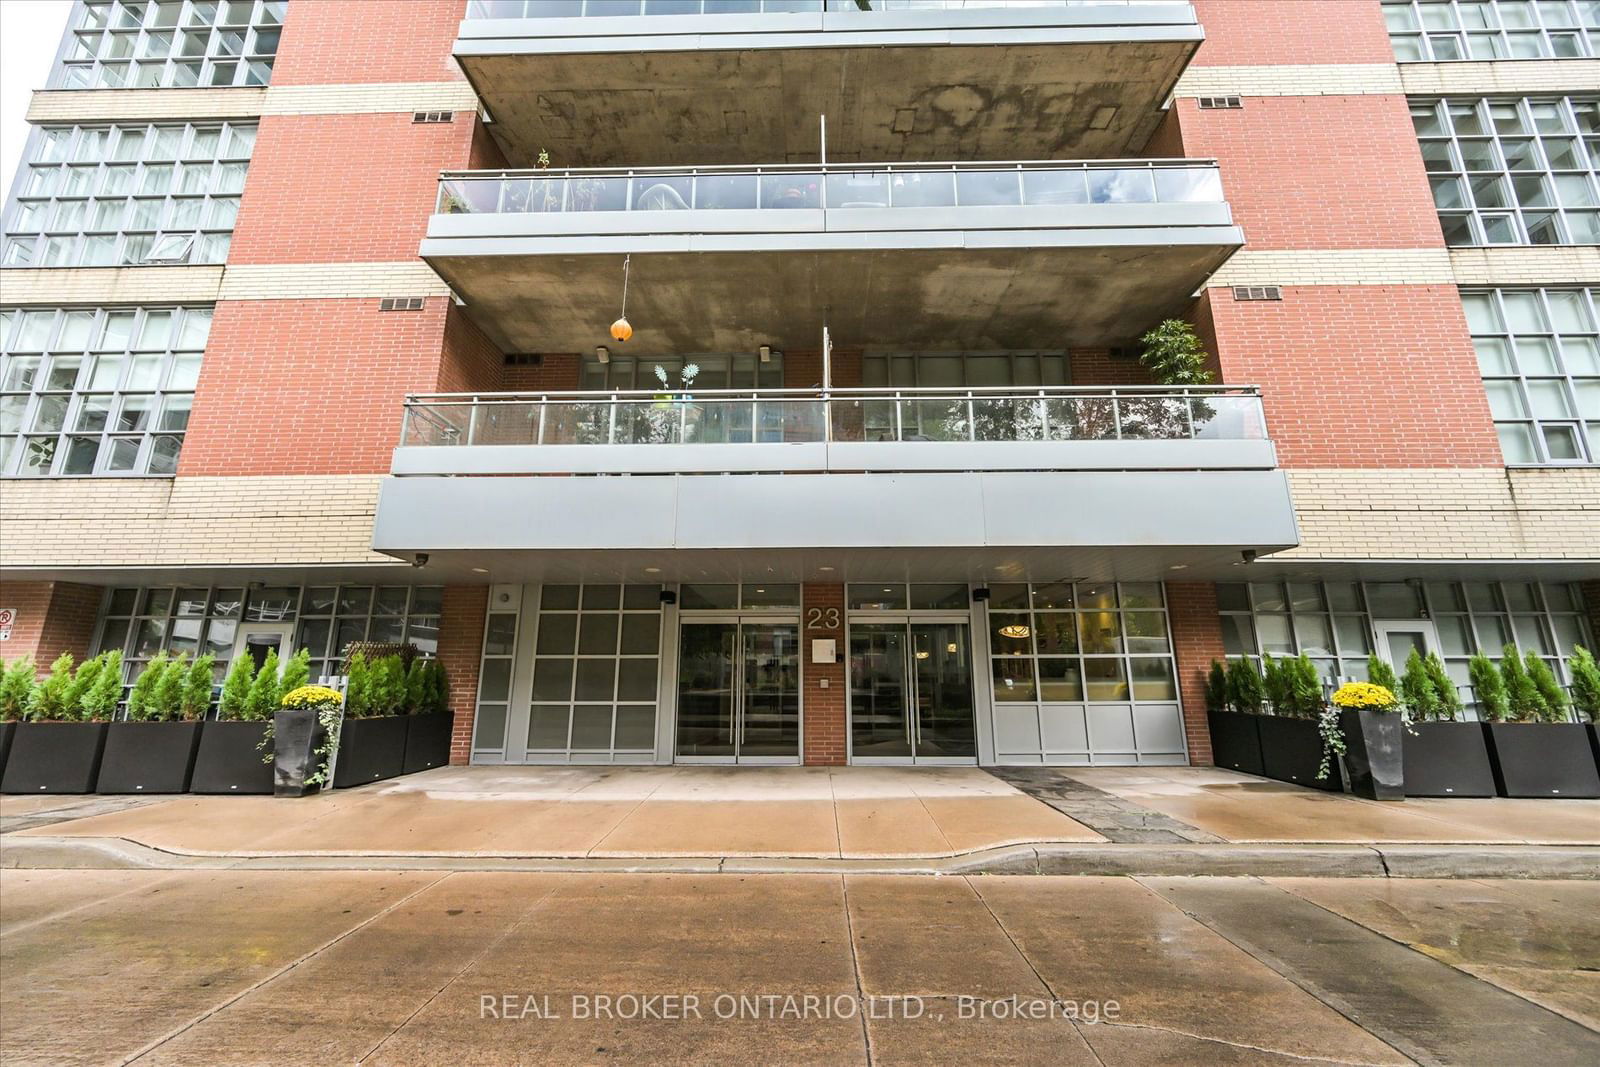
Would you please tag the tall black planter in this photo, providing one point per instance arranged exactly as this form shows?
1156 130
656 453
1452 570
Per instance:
370 750
297 733
1291 751
427 742
1372 753
1542 759
232 759
1594 741
54 757
1235 741
148 757
1447 759
7 731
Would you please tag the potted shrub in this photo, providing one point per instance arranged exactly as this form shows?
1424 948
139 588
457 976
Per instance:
1444 756
57 748
153 749
1235 743
429 722
372 739
231 745
1586 693
305 736
17 682
1291 746
1534 749
1365 728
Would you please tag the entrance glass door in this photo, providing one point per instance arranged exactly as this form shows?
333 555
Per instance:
911 692
1397 638
739 691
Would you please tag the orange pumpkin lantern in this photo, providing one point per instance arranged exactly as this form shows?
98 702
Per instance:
621 330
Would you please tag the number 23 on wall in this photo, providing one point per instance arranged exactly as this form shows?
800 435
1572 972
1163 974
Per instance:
822 618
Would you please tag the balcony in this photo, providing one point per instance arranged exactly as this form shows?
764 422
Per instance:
878 482
723 81
992 255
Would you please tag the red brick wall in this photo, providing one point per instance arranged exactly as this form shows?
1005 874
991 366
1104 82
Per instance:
802 368
823 709
461 623
51 618
1250 32
365 41
1094 366
1167 141
555 372
470 362
1196 641
1361 376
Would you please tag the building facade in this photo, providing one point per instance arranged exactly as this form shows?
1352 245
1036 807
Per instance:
306 309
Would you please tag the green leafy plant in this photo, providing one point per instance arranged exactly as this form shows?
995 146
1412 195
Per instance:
357 686
141 698
438 689
1217 687
417 687
388 686
83 680
262 700
1585 682
1275 684
100 702
1525 702
1246 690
166 699
296 671
235 697
1489 687
1416 692
195 699
1444 688
1551 695
1305 687
1380 673
16 688
49 700
1174 355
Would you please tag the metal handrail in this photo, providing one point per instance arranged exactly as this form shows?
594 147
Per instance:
842 168
496 9
875 392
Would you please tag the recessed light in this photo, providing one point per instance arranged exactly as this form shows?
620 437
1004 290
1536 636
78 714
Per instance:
652 570
825 570
480 570
1178 567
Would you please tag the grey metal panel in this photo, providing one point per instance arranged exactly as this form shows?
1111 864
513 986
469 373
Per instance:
541 224
1029 217
609 459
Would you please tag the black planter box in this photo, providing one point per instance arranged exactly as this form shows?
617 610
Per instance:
370 750
229 761
1235 741
297 738
1594 741
1542 759
427 742
148 757
1291 751
54 757
1447 759
7 731
1373 741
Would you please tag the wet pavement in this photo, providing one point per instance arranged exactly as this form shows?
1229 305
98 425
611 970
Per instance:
421 967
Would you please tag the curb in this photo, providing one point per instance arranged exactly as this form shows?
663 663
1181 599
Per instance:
1577 862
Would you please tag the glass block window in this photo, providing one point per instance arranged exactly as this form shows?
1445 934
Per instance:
1440 30
1513 171
1332 622
152 44
1539 353
597 660
1093 641
204 619
97 392
104 196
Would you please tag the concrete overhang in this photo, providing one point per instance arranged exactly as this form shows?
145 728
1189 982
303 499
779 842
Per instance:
935 278
982 82
931 526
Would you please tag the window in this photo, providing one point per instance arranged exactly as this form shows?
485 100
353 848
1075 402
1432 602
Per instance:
151 44
963 370
1441 30
105 196
743 370
1331 622
97 391
1089 641
1539 354
1512 171
204 620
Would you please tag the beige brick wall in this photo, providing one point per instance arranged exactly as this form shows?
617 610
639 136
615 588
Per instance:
1471 514
1376 266
189 522
328 281
1290 79
51 286
1542 265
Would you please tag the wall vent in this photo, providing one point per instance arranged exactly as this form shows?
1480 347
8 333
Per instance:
433 116
523 359
400 303
1257 292
1221 103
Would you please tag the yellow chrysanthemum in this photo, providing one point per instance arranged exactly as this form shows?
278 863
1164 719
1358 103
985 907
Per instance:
1363 695
312 696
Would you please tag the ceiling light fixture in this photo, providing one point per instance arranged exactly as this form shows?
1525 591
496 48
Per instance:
1015 630
602 353
652 570
621 330
765 352
480 570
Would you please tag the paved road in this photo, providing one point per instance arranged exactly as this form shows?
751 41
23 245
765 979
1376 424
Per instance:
417 967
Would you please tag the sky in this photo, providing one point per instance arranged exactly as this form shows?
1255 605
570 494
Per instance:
30 30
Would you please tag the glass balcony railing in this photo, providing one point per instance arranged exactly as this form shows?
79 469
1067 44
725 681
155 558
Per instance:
570 9
835 187
732 417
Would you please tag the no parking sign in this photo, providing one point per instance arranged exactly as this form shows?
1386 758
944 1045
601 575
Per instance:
7 617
